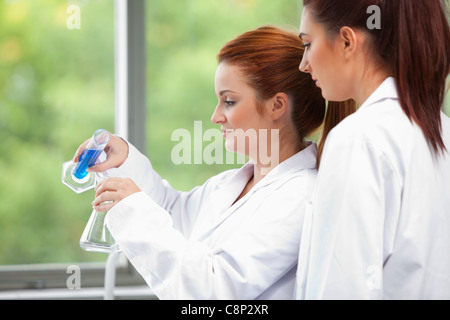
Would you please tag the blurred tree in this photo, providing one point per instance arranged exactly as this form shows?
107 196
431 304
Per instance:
56 88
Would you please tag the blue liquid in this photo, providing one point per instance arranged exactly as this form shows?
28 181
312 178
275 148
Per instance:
87 159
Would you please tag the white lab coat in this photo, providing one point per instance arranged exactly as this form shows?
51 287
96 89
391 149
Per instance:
199 245
378 226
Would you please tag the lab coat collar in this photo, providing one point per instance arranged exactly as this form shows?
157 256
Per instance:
305 159
232 188
225 195
386 90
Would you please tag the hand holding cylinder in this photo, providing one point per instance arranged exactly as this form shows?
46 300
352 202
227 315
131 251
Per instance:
75 174
116 153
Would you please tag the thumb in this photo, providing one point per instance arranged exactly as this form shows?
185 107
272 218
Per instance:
103 166
100 167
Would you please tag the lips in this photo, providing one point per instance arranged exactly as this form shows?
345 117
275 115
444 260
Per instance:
226 131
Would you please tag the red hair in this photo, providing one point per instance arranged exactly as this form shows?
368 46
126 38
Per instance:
269 57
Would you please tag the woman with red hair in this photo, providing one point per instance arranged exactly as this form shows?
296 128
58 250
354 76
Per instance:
237 236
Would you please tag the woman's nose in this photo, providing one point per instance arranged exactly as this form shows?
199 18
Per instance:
217 117
304 65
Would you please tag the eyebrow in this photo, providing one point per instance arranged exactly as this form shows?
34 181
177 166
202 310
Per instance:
225 91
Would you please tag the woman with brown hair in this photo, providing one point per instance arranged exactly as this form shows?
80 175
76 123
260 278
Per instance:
237 236
379 225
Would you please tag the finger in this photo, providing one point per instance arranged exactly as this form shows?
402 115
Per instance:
102 166
99 185
104 198
80 150
108 180
109 184
105 206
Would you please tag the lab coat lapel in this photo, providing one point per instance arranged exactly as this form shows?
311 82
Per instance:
220 203
387 90
221 200
231 191
227 193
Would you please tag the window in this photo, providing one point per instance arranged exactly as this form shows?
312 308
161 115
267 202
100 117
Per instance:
57 85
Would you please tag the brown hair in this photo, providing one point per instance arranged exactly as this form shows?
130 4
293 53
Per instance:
413 43
269 57
336 112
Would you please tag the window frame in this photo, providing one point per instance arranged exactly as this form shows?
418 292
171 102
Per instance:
35 280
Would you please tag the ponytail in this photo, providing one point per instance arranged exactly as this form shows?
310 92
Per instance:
336 112
420 63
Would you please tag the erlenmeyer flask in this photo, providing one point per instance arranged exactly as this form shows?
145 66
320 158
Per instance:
96 236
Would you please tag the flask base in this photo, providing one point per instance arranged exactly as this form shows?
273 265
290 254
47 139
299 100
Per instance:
77 185
97 247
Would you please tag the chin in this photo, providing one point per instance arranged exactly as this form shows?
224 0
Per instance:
229 146
327 96
333 97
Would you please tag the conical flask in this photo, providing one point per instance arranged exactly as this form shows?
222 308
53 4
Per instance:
96 236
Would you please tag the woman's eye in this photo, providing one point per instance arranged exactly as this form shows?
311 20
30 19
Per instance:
229 103
306 45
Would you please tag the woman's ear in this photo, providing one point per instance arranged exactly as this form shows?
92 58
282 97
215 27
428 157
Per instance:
348 40
278 105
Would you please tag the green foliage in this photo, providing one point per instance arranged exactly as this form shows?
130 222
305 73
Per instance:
56 88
